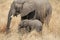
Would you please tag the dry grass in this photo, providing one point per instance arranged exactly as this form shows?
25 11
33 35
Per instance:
51 33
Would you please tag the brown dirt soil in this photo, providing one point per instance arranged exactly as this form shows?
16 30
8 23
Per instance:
49 33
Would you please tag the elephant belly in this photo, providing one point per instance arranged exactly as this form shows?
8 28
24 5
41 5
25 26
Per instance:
29 16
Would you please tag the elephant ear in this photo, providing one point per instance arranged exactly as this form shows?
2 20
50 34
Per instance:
27 8
19 1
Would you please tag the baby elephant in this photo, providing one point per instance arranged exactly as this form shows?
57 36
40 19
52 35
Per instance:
30 25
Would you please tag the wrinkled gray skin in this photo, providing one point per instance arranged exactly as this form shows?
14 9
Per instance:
30 25
30 9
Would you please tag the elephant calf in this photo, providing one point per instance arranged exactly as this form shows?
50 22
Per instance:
30 25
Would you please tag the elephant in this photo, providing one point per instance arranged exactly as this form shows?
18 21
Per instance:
30 25
30 9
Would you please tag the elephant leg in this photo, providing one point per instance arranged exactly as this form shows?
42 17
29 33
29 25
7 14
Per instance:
28 28
38 29
19 29
49 14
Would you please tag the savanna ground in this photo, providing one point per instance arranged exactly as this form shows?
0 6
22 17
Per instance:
48 33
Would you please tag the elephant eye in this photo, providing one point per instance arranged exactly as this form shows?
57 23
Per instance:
17 9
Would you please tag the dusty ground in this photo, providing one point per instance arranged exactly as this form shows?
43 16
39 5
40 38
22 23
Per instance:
51 33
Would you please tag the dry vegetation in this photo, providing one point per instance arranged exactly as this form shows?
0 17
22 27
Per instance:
49 33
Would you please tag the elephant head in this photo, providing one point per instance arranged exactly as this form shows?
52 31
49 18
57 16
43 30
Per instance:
15 9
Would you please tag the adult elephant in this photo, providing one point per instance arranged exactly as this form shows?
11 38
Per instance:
30 9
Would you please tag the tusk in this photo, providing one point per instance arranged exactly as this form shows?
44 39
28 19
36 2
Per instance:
11 16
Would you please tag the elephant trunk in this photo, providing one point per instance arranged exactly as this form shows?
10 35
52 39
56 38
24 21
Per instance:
8 21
